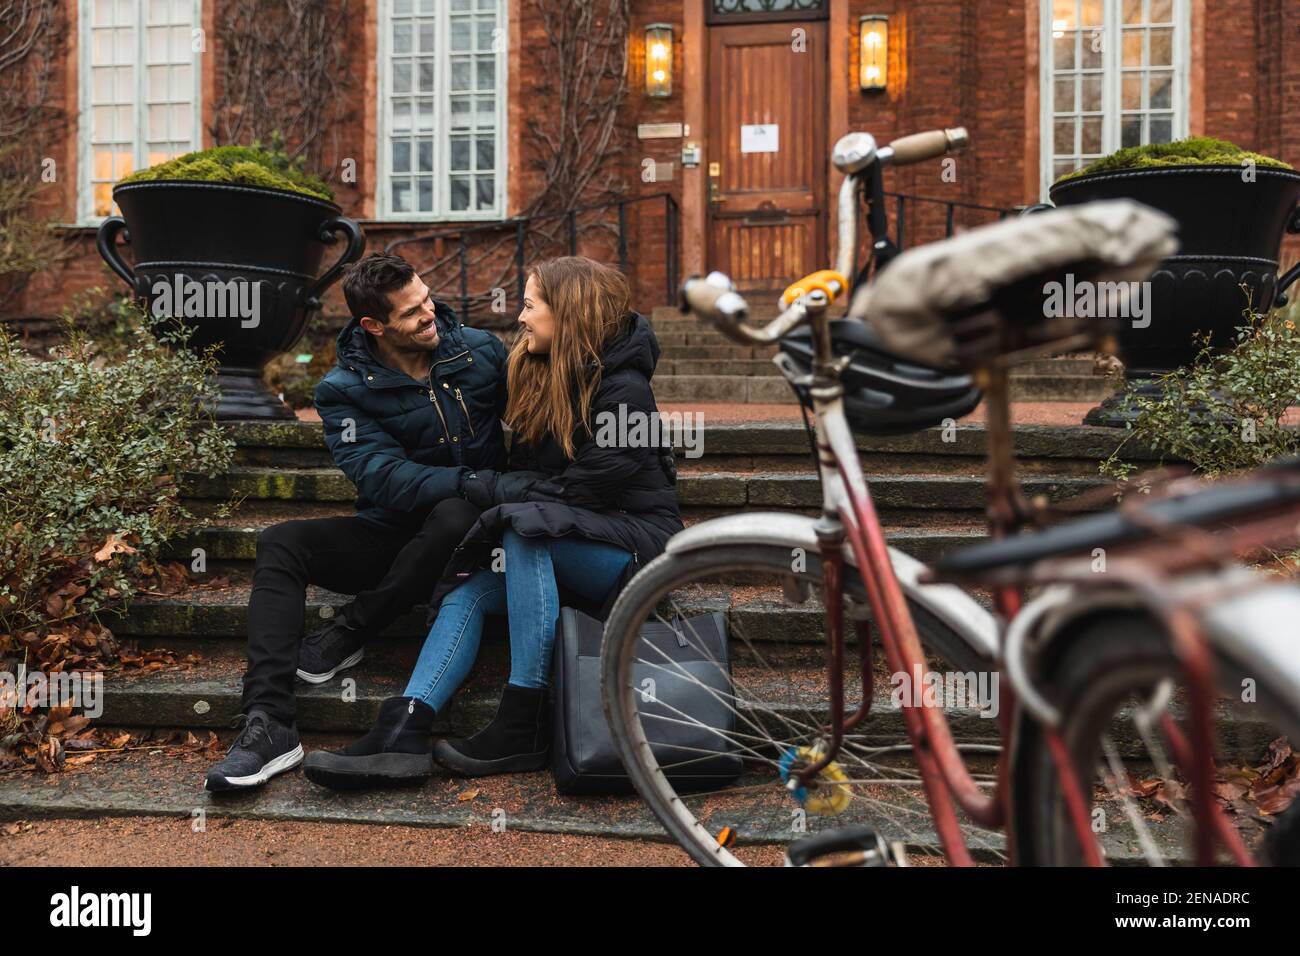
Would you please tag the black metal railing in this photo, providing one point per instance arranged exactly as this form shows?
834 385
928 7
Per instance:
536 237
902 201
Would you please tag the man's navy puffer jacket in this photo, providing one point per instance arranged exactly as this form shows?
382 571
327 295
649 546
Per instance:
405 443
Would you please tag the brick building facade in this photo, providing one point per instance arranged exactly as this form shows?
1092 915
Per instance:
454 90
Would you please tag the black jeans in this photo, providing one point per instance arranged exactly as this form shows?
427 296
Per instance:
389 570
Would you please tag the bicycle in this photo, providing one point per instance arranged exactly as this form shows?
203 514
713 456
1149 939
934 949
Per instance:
1092 670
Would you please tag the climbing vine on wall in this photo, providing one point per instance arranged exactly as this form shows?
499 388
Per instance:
285 74
30 33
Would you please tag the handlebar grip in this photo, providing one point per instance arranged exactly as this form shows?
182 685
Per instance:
701 296
929 145
827 280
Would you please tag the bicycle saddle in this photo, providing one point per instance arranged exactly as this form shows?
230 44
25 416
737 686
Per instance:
1273 487
986 292
883 393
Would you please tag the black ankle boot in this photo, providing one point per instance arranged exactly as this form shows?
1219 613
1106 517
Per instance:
517 739
394 751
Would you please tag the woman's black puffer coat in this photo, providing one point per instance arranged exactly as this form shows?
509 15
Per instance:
621 493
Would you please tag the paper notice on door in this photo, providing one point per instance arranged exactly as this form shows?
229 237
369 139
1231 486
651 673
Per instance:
762 138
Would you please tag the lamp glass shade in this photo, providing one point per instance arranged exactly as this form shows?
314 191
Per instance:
873 53
659 60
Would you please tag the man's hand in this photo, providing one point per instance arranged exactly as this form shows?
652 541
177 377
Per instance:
479 488
485 488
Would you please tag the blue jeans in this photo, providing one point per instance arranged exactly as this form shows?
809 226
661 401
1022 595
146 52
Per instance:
528 593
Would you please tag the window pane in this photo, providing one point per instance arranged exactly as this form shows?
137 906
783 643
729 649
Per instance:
1162 11
1132 91
1132 11
485 153
1092 92
460 193
401 37
424 151
1133 47
1091 48
460 73
1090 130
1161 47
401 191
1161 90
1162 128
401 156
402 77
1063 100
401 115
460 34
1131 131
425 197
1063 14
425 114
460 112
458 157
157 79
426 76
486 73
1063 51
485 191
1063 141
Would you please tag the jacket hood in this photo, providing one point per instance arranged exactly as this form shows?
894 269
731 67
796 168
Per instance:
637 348
355 348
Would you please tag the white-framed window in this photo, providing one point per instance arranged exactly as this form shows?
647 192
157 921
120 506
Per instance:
442 109
1114 74
139 65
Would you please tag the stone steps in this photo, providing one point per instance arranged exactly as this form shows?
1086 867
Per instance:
736 490
235 539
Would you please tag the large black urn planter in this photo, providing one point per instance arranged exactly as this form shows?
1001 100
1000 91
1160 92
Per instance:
1229 233
237 264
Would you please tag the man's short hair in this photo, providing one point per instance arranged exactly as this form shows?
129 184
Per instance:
368 282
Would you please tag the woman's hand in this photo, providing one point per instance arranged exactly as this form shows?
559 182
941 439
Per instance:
485 488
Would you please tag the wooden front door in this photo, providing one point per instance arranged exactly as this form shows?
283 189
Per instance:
767 152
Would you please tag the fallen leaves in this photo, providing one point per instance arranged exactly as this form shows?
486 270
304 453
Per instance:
114 544
1267 789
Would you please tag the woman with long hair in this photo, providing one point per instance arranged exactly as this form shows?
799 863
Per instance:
581 510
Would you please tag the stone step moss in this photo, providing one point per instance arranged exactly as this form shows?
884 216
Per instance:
712 489
237 542
222 612
1051 442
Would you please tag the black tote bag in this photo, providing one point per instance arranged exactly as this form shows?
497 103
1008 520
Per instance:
694 649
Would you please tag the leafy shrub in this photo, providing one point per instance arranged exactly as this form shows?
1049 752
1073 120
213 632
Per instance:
91 453
1225 412
1196 151
250 165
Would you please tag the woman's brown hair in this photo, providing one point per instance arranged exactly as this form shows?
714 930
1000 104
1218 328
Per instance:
590 303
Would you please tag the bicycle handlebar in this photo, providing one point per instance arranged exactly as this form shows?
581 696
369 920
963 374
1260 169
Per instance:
919 147
715 298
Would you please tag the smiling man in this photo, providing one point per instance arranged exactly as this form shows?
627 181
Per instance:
413 405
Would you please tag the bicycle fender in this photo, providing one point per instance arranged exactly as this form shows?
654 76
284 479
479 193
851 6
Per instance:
949 603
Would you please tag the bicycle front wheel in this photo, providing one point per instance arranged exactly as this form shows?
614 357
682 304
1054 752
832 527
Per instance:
779 704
